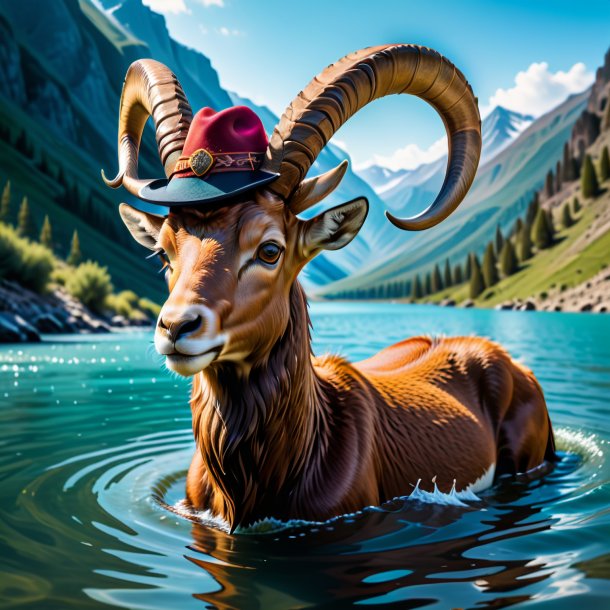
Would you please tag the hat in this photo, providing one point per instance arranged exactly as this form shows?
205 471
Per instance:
221 158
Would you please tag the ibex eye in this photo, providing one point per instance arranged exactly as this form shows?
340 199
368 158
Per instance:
269 253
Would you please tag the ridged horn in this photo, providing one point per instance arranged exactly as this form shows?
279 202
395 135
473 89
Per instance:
150 89
343 88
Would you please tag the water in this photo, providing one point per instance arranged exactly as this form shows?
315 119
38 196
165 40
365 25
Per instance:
95 439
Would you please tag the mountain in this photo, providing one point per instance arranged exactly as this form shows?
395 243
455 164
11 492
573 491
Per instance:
378 176
499 128
61 72
498 196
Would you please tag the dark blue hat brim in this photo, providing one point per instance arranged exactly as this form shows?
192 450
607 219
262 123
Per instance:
211 188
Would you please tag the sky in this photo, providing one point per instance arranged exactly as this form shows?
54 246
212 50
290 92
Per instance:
525 55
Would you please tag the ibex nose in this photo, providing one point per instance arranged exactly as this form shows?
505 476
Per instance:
186 329
178 328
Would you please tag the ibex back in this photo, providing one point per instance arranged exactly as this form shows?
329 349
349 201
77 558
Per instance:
281 433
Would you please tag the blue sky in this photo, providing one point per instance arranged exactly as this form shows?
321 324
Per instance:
268 51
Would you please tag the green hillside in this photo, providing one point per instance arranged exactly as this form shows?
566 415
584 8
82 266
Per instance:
103 238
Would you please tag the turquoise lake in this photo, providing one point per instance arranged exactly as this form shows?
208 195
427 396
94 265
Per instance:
95 441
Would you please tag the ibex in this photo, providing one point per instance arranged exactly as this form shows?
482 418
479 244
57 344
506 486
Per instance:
279 432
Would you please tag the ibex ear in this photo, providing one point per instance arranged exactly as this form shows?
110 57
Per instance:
143 227
334 228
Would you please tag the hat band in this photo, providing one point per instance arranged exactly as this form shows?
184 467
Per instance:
203 162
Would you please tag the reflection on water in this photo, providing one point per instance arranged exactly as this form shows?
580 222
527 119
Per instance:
95 439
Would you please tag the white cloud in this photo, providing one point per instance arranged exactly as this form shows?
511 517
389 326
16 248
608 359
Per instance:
166 7
537 90
224 31
410 157
207 3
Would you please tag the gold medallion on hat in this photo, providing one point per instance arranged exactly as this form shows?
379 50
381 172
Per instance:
201 162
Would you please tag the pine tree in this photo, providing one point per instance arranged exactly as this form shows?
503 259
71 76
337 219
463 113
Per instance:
604 165
490 273
532 210
499 239
541 236
428 284
75 257
5 204
458 278
516 228
25 222
524 243
550 224
569 169
576 205
437 280
558 177
588 179
566 217
508 259
468 268
549 189
46 233
477 282
416 290
447 279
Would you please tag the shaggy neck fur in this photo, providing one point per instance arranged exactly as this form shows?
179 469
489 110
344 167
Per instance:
257 434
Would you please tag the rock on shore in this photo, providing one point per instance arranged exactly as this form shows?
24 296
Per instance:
592 295
25 315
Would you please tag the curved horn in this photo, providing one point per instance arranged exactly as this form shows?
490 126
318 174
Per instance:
150 89
336 94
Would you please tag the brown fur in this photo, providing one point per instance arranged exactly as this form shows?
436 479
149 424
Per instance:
280 433
312 438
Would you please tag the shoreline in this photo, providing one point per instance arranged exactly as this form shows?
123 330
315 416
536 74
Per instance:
25 316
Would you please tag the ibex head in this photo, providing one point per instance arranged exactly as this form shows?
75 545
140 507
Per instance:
232 260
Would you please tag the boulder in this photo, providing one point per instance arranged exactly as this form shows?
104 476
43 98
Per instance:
529 305
9 333
48 323
468 303
119 321
443 303
507 305
14 326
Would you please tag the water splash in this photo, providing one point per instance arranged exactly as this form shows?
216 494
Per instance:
271 525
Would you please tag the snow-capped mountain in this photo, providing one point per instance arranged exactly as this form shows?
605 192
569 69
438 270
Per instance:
379 177
499 128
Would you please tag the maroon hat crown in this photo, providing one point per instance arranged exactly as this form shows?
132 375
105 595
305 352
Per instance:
230 140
